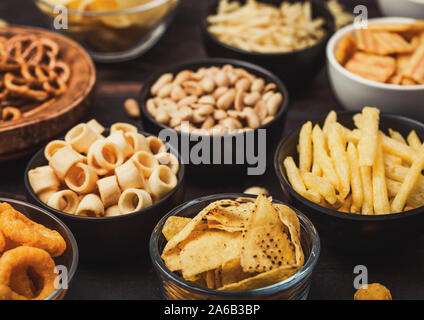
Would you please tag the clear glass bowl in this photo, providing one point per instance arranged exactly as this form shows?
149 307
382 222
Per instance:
115 35
70 257
175 287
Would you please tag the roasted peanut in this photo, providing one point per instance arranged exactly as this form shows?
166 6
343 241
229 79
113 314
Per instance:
238 102
207 84
251 117
207 100
273 103
251 98
226 100
257 85
163 79
177 93
221 79
243 84
219 114
192 88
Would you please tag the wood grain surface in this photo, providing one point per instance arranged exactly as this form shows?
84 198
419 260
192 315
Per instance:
401 271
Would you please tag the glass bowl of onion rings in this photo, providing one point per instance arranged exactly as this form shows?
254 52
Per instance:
111 31
66 263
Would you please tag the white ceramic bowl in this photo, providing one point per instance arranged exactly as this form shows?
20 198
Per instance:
355 92
402 8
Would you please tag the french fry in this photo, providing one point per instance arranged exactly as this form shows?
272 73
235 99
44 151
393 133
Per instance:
390 145
357 118
296 181
355 179
397 136
368 201
367 144
413 141
320 185
392 158
380 194
330 119
409 182
323 159
346 205
336 146
415 198
305 147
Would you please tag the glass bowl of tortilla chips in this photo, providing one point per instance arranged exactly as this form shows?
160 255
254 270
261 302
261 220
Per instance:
234 246
111 30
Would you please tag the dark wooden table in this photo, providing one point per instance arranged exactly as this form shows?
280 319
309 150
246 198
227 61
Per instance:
333 278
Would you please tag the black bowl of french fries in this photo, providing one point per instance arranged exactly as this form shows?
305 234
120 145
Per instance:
362 194
295 57
231 141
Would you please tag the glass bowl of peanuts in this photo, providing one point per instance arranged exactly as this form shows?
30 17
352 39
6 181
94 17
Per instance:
216 102
361 231
111 31
109 186
288 38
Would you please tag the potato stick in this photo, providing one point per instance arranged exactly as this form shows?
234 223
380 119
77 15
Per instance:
320 185
368 202
390 145
380 195
367 145
340 160
416 197
323 159
296 181
392 158
409 182
397 172
331 118
413 141
346 205
305 147
355 178
397 136
357 120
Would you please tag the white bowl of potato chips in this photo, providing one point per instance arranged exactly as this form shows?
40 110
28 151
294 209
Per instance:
380 66
114 30
208 248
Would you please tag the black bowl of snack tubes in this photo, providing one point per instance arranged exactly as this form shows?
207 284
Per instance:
109 186
222 257
288 38
222 114
357 175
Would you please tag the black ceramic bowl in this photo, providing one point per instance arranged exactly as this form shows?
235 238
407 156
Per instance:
351 231
112 238
295 68
273 129
175 287
69 259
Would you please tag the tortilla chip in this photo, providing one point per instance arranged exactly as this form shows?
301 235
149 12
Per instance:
210 279
174 225
373 67
266 244
196 255
290 219
218 279
232 272
262 279
231 219
345 49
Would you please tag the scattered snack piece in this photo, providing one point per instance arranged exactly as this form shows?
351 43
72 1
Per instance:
3 23
213 100
385 52
132 108
27 270
373 291
361 171
89 174
259 27
32 74
221 247
256 191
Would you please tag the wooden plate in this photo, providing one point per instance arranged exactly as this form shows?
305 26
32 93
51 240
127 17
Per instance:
25 135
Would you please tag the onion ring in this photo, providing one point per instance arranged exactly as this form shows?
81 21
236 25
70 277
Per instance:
18 228
27 258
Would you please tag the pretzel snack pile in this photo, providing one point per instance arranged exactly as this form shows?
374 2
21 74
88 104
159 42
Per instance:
31 74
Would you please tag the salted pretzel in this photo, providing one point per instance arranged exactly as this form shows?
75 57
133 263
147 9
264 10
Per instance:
31 75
